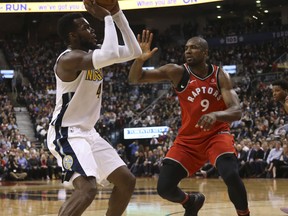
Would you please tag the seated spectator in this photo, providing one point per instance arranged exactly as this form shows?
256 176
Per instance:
34 167
280 167
242 158
154 142
259 154
3 148
120 148
22 161
137 168
273 156
149 164
261 164
245 170
13 169
159 155
54 171
133 147
44 167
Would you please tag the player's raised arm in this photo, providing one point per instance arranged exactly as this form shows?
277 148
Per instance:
136 74
81 41
131 48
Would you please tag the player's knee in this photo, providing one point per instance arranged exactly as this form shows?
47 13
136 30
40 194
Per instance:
163 190
130 182
126 182
230 176
89 194
227 168
170 175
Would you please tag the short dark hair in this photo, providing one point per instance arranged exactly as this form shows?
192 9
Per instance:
201 41
66 25
282 83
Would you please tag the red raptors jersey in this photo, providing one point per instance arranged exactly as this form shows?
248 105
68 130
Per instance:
198 96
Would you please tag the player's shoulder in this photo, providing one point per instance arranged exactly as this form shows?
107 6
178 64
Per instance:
224 79
223 74
73 53
71 56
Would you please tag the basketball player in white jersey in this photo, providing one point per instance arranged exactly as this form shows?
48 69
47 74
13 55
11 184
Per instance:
85 157
280 94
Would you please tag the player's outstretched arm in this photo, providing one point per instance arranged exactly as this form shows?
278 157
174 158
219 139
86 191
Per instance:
168 72
136 74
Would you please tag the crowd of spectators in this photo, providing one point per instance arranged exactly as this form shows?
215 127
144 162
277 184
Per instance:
19 157
236 27
143 105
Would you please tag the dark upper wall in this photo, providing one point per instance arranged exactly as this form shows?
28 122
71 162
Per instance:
44 25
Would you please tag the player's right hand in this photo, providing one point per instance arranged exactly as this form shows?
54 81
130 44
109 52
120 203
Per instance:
145 41
206 121
95 10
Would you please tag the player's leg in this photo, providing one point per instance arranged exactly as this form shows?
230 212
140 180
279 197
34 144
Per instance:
171 173
222 154
228 169
124 184
112 168
84 193
77 161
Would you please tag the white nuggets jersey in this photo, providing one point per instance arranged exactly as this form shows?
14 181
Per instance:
78 102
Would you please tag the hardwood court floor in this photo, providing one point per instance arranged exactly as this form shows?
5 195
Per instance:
44 198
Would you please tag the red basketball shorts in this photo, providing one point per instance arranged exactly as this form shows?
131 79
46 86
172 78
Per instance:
193 155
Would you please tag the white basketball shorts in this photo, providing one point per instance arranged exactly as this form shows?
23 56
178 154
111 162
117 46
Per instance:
82 152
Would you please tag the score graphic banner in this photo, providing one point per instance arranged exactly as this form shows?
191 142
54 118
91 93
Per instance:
44 7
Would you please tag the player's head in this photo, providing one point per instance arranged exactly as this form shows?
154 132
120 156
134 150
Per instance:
196 51
280 89
75 30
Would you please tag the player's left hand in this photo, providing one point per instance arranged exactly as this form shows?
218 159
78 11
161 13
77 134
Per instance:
95 10
115 9
206 121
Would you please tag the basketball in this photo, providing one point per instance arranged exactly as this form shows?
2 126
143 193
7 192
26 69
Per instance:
107 4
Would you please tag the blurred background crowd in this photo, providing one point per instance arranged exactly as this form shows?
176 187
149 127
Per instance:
260 136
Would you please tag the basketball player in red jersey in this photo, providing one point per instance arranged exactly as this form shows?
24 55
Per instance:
208 104
280 94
